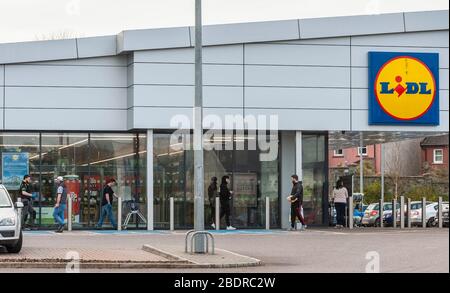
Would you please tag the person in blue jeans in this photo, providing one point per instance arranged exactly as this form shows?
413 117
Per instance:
107 200
60 206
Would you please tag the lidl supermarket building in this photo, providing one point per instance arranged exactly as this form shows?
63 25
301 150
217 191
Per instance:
94 108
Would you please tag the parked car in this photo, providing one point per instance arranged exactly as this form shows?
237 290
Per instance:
10 222
416 211
435 220
371 214
445 218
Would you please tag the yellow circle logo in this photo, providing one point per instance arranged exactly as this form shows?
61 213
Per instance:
405 88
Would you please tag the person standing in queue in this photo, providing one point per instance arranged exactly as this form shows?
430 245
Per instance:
107 200
212 194
339 197
25 193
60 206
225 198
296 199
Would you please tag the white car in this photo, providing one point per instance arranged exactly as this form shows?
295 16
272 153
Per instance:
10 222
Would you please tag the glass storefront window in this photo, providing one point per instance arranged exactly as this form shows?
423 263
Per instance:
314 181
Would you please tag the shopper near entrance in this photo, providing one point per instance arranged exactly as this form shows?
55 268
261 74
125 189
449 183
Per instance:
225 198
107 200
26 195
339 197
60 206
212 194
296 199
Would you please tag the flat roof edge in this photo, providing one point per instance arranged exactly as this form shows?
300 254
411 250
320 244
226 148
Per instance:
224 34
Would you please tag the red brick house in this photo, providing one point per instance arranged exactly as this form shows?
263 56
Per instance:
435 152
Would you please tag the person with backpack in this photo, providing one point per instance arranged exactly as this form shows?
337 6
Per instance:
107 200
60 206
212 194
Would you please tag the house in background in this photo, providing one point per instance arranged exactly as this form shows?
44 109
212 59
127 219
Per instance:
350 157
434 153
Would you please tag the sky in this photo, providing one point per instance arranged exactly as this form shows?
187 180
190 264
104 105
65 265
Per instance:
27 20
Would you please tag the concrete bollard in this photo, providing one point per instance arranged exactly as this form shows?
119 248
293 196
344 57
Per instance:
171 214
350 212
217 213
424 212
440 212
402 212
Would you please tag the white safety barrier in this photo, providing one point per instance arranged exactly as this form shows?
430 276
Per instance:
267 213
440 212
424 212
69 211
119 213
402 212
217 213
409 212
394 213
172 214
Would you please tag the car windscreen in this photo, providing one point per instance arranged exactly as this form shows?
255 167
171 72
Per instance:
416 206
5 202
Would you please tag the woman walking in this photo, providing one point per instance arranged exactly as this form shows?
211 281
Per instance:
339 197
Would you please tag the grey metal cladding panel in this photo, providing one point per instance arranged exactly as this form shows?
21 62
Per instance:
183 74
249 32
232 54
411 39
1 98
130 97
297 76
308 98
2 69
280 54
65 119
131 74
153 39
216 96
97 46
159 117
230 118
360 99
351 25
426 20
306 119
89 76
360 78
443 79
37 51
360 54
360 120
163 96
120 60
340 41
61 97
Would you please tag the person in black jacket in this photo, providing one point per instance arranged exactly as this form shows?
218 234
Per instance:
296 200
212 194
225 197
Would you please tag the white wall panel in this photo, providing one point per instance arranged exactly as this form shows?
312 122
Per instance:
294 119
297 76
154 118
88 76
163 96
297 98
415 39
281 54
65 119
217 96
120 60
54 97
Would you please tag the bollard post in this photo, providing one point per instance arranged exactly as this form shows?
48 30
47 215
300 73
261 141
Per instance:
119 213
171 214
380 212
350 212
394 213
402 212
440 212
69 212
267 213
409 212
217 213
424 212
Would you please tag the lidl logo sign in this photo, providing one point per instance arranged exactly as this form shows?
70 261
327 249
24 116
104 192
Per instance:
403 88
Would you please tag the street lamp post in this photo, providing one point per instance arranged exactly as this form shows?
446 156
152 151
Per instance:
199 224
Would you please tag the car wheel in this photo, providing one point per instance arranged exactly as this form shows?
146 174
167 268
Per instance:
17 247
431 223
377 223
